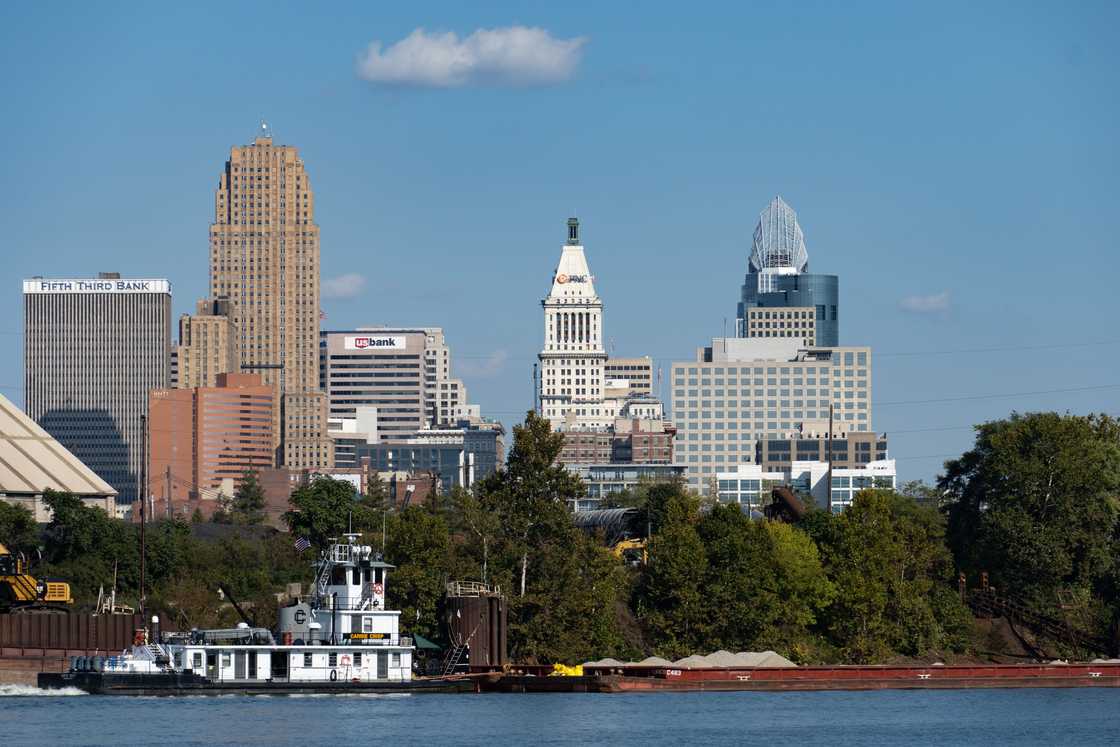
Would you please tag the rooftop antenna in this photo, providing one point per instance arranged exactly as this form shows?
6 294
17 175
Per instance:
265 130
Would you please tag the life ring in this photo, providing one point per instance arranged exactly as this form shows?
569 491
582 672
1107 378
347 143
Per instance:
345 660
378 589
334 675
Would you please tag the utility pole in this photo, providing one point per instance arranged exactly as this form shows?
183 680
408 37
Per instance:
829 478
536 391
143 501
168 490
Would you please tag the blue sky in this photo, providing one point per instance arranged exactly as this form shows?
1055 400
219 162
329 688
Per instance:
955 163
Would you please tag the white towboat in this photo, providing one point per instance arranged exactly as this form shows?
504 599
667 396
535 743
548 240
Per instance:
341 638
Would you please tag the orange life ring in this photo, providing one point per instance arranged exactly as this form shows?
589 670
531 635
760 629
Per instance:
378 589
345 660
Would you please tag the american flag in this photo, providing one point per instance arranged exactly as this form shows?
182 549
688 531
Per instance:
302 544
322 315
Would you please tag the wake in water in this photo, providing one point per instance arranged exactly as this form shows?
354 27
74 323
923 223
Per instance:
10 691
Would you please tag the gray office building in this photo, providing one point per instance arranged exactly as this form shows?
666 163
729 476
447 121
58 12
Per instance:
93 348
401 374
739 392
461 454
780 298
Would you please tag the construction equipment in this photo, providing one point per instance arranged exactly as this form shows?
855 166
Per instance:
22 592
631 551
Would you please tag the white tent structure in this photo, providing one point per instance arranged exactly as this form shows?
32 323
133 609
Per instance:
32 462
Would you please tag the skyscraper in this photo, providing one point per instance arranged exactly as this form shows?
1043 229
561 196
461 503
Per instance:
780 298
204 439
738 392
93 348
264 258
573 358
205 349
400 375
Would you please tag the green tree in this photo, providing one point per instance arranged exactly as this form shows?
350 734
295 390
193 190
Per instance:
572 617
479 522
922 494
18 530
887 558
532 493
223 511
670 502
418 545
248 501
1034 503
326 509
671 599
803 590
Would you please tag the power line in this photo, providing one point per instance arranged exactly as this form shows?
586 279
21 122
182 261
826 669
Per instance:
1004 349
973 397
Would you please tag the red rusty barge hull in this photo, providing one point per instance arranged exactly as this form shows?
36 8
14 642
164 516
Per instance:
642 679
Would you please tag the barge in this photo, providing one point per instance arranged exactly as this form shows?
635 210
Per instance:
846 677
339 640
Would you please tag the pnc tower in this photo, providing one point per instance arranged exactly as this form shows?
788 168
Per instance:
573 358
264 258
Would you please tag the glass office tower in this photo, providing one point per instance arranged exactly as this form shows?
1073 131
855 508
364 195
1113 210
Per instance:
780 297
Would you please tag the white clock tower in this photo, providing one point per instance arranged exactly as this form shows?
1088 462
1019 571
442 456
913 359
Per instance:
573 355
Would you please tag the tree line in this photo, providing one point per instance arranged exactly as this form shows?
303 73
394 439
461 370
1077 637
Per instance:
1031 509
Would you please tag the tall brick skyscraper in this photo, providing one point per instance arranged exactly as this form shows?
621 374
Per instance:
264 257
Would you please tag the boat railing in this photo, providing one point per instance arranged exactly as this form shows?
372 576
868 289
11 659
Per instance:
325 639
472 589
364 603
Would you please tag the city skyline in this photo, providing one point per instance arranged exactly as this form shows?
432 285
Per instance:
942 235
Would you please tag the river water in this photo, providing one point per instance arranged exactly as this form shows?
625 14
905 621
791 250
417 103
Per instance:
1087 716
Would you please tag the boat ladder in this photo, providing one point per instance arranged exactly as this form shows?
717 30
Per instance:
454 658
322 580
156 653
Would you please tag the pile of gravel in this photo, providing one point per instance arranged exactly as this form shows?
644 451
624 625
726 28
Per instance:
717 660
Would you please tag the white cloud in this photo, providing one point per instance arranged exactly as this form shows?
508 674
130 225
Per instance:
515 55
343 286
937 303
491 365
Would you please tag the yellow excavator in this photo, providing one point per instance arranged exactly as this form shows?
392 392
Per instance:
20 591
631 551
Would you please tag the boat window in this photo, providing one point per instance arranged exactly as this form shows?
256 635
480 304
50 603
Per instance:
357 659
367 623
307 660
380 575
332 659
198 660
356 576
225 659
338 576
178 659
396 659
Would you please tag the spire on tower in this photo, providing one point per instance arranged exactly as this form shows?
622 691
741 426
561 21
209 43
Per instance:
264 131
573 231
